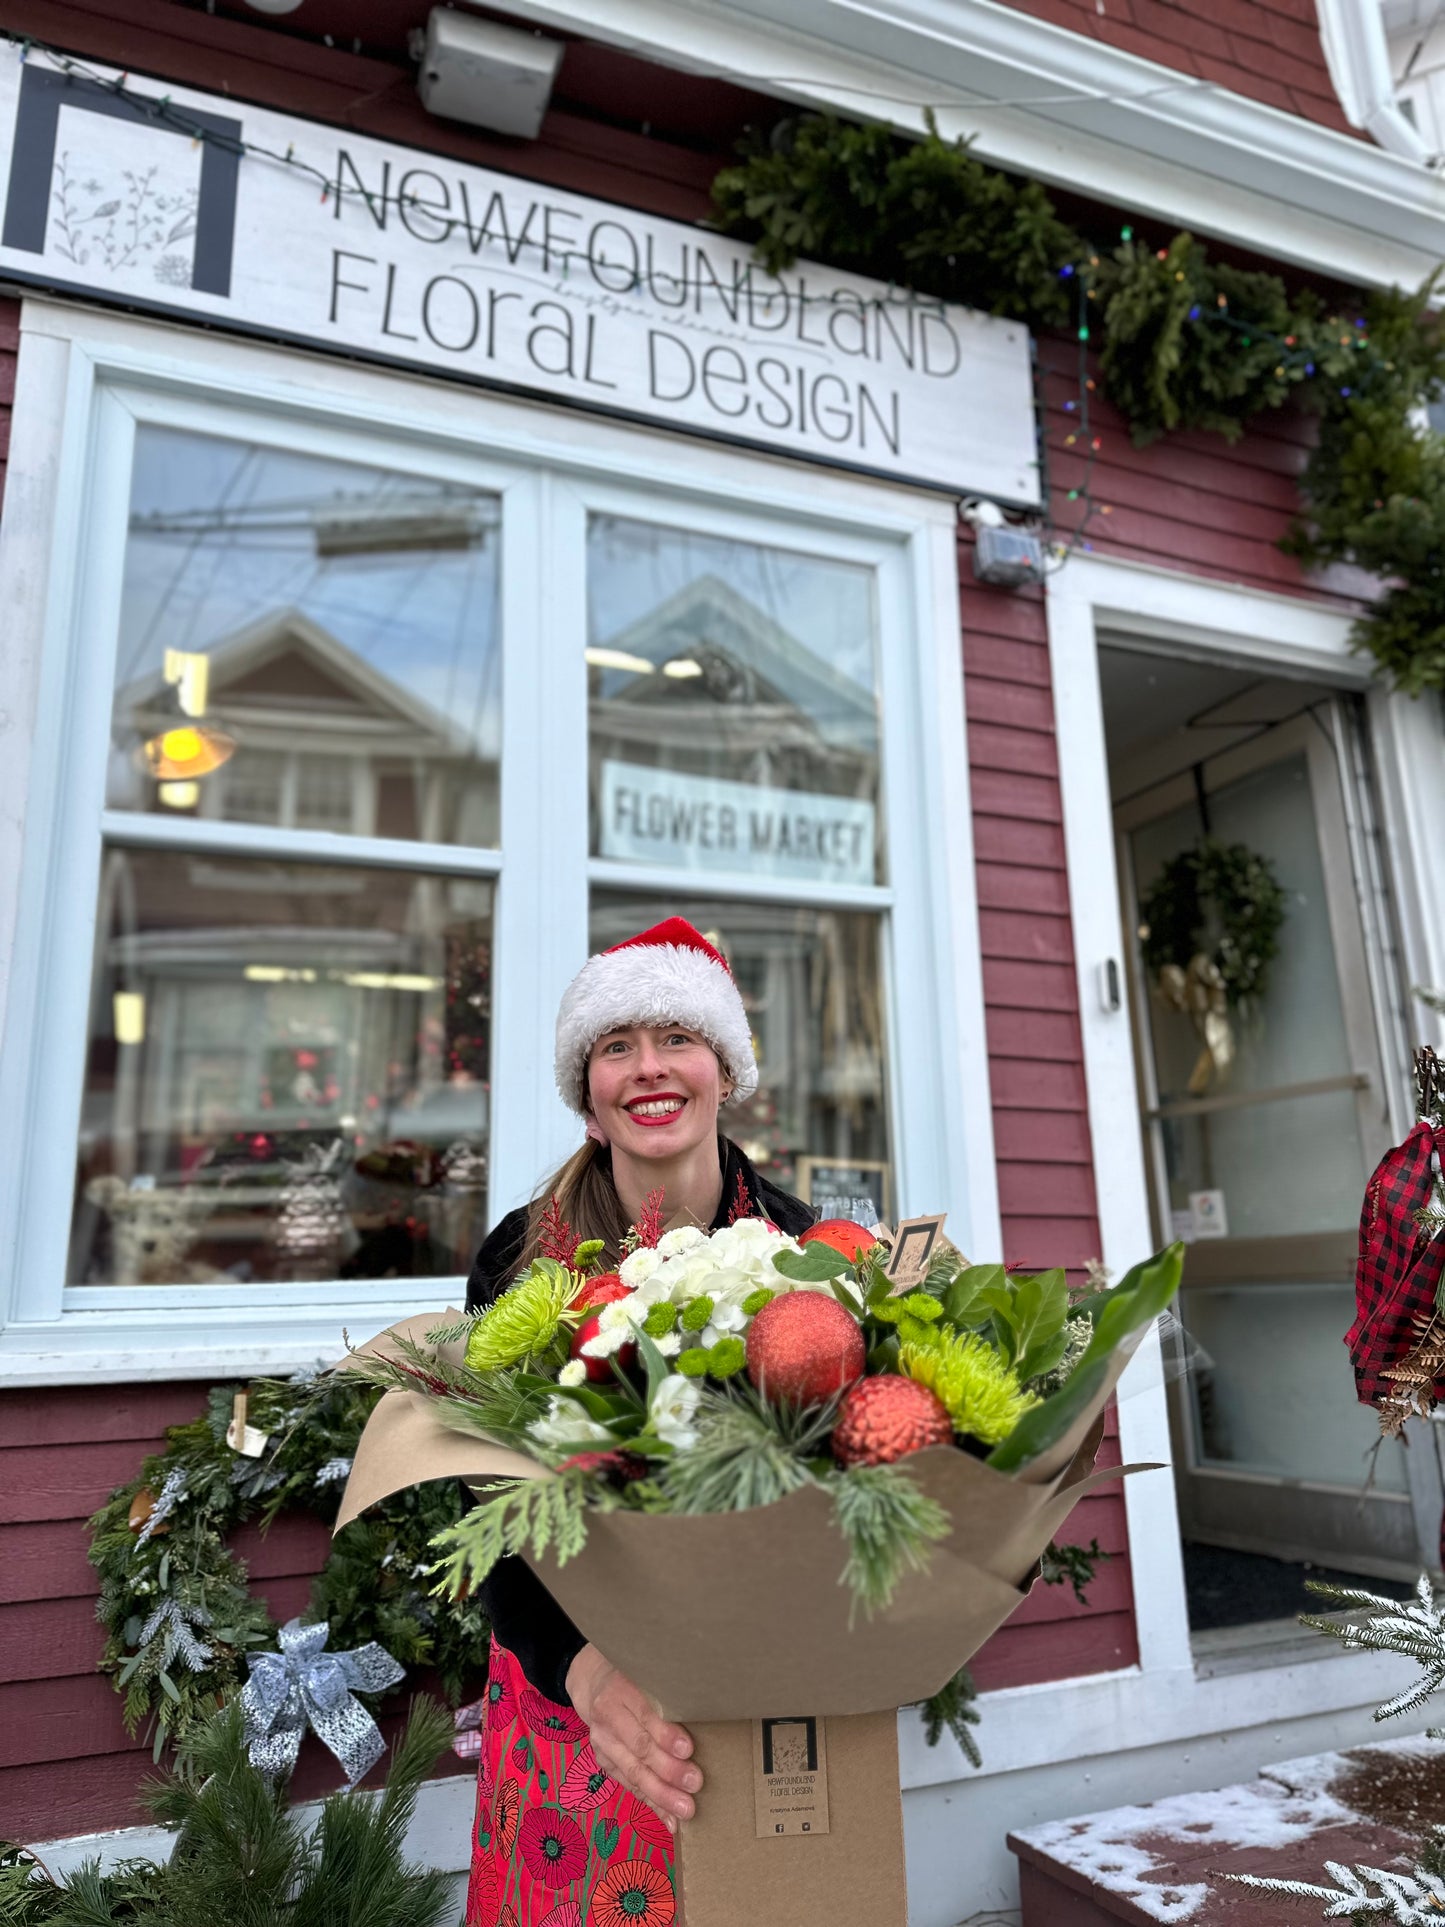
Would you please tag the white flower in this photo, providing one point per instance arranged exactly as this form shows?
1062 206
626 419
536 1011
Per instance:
670 1344
672 1244
574 1372
725 1319
638 1266
617 1325
567 1424
674 1405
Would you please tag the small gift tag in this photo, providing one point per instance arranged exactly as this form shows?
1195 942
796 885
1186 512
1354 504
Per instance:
246 1439
790 1777
913 1247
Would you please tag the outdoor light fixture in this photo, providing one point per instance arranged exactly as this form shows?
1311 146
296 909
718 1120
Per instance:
1008 557
618 659
128 1016
682 667
188 750
487 75
179 796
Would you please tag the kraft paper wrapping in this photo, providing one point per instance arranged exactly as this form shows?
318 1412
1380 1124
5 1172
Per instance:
726 1616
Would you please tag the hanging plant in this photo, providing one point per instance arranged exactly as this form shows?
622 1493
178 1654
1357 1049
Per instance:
1221 890
175 1600
1183 342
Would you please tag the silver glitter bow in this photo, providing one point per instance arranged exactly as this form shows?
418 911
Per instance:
304 1685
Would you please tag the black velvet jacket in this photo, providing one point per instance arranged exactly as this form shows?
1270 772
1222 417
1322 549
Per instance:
524 1615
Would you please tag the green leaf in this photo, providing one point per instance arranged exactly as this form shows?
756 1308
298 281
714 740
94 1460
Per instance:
847 1298
168 1686
1135 1301
963 1303
814 1265
654 1363
1043 1357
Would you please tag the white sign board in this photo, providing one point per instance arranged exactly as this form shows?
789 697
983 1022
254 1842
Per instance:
156 197
707 823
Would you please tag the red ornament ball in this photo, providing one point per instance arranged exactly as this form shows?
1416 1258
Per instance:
842 1234
804 1347
883 1419
604 1289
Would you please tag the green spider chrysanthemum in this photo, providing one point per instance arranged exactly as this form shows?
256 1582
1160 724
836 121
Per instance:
982 1395
524 1320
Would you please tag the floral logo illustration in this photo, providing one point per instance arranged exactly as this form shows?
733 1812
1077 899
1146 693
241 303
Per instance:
97 226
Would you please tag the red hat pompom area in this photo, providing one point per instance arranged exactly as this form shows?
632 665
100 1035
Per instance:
669 974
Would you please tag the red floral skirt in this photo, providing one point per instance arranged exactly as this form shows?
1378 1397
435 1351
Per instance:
557 1843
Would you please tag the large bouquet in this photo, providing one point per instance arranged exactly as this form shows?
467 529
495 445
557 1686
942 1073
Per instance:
790 1381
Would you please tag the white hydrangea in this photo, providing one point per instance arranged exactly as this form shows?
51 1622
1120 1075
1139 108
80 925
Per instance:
638 1266
686 1237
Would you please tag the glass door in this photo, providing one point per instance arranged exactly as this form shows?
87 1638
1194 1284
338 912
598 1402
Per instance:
1260 1148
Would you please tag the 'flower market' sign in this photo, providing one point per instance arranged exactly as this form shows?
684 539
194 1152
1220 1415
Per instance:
161 198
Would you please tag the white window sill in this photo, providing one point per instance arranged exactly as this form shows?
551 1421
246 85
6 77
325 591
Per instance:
224 1341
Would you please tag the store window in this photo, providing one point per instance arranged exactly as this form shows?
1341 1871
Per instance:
288 1064
375 718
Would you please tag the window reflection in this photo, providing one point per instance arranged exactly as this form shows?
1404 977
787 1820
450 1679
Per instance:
734 707
287 1076
811 984
306 644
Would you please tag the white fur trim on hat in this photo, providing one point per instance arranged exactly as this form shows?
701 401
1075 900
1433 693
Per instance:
652 983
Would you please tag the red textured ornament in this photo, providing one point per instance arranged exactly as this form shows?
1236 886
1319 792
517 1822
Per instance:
883 1419
842 1234
804 1347
604 1289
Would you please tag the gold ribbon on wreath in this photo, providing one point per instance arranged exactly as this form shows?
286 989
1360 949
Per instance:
1198 993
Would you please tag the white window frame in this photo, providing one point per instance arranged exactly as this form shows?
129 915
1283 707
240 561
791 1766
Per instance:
84 381
1312 1695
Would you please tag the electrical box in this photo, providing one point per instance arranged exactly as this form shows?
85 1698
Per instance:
486 75
1008 557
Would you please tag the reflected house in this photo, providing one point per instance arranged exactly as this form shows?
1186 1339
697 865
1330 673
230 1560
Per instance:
728 692
325 741
709 687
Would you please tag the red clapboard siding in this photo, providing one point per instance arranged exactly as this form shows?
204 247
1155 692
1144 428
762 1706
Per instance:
1267 50
1036 1071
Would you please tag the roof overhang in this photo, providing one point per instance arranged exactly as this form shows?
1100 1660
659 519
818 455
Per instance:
1064 108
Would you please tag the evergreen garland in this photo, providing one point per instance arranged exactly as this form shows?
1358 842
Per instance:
1183 342
174 1598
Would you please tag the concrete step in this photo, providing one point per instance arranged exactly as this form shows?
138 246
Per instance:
1158 1862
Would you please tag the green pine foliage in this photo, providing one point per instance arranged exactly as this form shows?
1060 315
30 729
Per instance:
1183 342
177 1612
243 1859
954 1709
536 1516
890 1527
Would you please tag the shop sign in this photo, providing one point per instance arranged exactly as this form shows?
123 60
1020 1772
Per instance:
708 823
194 205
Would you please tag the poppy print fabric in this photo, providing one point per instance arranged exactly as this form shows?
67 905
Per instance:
557 1842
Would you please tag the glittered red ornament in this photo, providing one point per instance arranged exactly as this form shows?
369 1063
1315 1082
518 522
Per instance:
883 1419
804 1347
604 1289
617 1468
842 1234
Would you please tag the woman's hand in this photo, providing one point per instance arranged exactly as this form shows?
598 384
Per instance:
642 1751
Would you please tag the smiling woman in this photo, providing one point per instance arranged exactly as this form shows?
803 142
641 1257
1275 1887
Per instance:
652 1042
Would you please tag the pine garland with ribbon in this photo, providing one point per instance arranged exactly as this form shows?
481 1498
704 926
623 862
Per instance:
1183 342
175 1600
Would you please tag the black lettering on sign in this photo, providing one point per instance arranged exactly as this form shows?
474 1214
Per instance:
425 218
782 415
461 313
724 368
495 298
600 249
667 358
338 255
378 200
941 357
554 332
480 234
587 374
386 327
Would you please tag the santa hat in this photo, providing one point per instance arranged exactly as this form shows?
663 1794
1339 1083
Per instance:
669 974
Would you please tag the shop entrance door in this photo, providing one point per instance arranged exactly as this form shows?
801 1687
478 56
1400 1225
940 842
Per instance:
1261 1161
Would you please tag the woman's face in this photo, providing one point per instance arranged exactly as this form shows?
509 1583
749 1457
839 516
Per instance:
654 1089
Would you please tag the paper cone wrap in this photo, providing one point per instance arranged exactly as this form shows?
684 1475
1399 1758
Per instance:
726 1616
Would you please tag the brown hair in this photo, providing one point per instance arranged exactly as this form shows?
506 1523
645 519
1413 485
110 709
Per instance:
586 1199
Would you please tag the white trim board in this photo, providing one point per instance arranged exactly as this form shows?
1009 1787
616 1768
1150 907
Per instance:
1082 115
98 373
